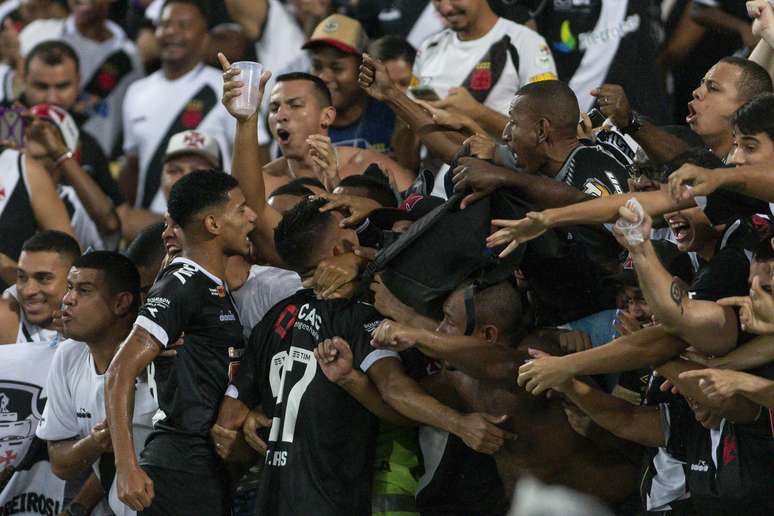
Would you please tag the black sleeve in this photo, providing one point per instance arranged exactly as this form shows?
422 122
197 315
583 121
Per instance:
250 380
725 275
94 162
679 425
357 332
168 308
597 174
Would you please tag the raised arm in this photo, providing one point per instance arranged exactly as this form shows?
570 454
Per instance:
97 204
246 166
377 83
139 349
755 181
49 210
754 353
657 143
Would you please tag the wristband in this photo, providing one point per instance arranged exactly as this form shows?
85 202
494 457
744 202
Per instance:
76 509
64 157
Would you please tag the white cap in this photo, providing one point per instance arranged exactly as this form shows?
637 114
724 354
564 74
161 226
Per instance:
193 142
62 120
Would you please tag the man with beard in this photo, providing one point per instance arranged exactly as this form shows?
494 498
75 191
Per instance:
178 471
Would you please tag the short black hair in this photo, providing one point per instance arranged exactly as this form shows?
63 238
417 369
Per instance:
375 190
121 274
501 306
321 91
299 233
53 241
52 53
203 6
295 189
763 252
555 101
197 191
756 116
147 249
754 80
390 47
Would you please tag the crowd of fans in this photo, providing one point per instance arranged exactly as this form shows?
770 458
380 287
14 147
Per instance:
465 258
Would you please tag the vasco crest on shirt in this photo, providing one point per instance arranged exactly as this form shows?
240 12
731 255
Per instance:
481 78
21 408
193 114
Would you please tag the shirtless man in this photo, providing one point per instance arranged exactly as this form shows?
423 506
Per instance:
484 368
300 113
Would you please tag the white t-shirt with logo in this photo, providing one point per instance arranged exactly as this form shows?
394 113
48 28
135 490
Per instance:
264 288
23 371
76 403
444 61
152 105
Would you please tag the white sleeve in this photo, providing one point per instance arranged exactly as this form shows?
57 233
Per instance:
59 420
536 63
130 141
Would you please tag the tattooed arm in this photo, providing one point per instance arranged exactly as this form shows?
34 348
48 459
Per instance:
705 325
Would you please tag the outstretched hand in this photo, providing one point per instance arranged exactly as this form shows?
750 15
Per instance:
756 311
543 372
232 88
690 181
517 232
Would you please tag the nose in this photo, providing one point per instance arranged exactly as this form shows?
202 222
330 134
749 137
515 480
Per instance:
52 96
738 156
444 7
69 298
699 92
506 136
251 216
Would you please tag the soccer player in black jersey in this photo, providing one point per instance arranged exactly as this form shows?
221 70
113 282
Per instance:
321 441
178 471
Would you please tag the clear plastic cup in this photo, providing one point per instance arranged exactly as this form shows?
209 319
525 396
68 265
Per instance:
250 75
632 231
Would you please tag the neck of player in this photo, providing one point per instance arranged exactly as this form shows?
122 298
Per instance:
481 27
176 69
208 254
104 348
720 144
557 155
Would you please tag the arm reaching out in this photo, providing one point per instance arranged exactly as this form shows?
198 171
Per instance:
335 359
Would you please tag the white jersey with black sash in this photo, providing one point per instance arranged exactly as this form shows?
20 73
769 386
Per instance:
155 108
107 69
17 220
492 68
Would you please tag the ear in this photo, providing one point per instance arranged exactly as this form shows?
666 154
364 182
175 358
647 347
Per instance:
490 333
211 224
327 116
122 303
543 129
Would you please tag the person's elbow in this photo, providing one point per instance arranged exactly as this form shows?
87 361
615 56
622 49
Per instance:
61 467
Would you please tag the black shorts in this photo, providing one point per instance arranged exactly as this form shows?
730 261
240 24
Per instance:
178 493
